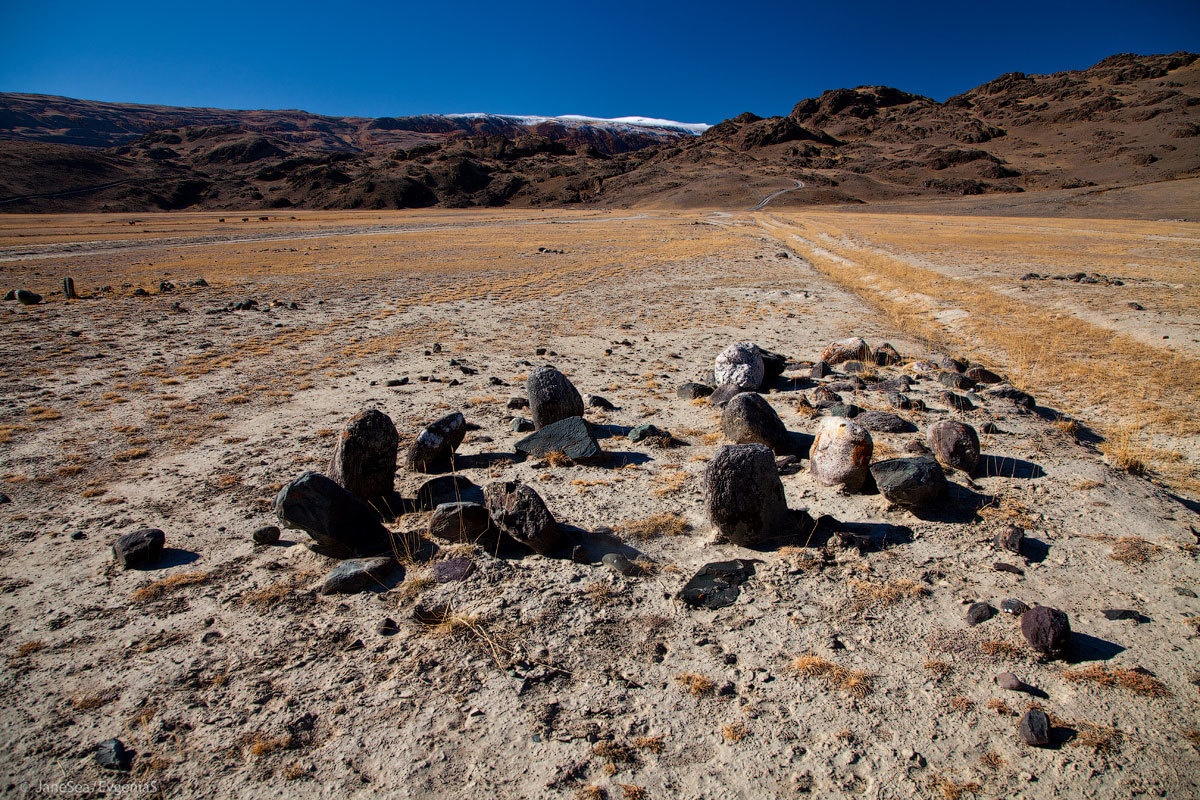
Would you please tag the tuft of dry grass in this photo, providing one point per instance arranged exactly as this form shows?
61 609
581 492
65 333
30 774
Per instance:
856 683
991 760
260 744
939 668
866 594
131 454
1001 649
653 744
1133 550
951 789
960 703
1193 736
734 732
1000 707
655 525
155 590
30 647
630 791
1137 682
669 483
1124 451
559 459
696 684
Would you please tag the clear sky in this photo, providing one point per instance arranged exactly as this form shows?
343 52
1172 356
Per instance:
694 61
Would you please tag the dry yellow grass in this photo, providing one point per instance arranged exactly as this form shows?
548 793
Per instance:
1133 550
856 683
734 732
655 525
868 594
1137 682
951 789
696 684
155 590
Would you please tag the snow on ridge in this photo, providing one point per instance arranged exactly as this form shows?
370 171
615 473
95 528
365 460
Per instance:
695 128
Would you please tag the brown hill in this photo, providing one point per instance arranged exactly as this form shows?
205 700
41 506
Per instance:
1127 120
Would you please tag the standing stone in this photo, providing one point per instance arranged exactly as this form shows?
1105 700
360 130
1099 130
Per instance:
435 446
69 289
341 525
1047 630
956 444
819 370
551 397
749 419
840 453
886 355
364 460
140 549
520 512
740 364
1035 728
112 754
852 349
913 482
744 497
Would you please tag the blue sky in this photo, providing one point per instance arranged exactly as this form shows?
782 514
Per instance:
693 62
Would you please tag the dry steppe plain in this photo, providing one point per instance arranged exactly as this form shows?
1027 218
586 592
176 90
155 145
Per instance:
839 671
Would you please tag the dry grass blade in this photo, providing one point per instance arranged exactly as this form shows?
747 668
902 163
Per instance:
696 684
867 594
655 525
1135 681
856 683
155 590
1133 550
952 789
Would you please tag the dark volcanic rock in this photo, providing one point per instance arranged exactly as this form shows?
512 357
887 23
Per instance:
724 393
353 576
774 365
551 397
640 433
979 612
1034 728
268 534
1013 606
819 370
1047 630
952 380
1023 399
446 489
140 549
982 375
884 422
1010 539
913 482
28 298
520 425
571 436
716 585
956 444
453 569
743 495
462 522
364 460
435 446
112 754
886 355
749 419
341 525
693 391
602 403
520 512
956 401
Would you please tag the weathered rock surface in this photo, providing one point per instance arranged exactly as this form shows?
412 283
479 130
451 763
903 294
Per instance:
462 522
693 391
886 355
435 445
552 397
724 393
744 497
840 453
341 525
353 576
852 349
141 549
571 436
955 444
884 422
27 298
1047 630
749 419
364 460
446 489
520 512
740 364
913 482
1034 728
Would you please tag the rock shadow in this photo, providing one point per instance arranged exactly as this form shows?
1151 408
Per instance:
869 537
620 458
591 546
485 460
961 506
1085 647
801 444
171 557
1006 467
1034 550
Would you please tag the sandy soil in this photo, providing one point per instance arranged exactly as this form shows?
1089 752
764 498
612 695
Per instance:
558 679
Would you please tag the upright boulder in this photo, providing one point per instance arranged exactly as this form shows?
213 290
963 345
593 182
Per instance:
341 525
1047 630
364 460
435 445
852 349
956 444
520 512
744 497
841 453
749 419
886 355
740 364
552 397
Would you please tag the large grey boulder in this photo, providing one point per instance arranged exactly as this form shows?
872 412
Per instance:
435 445
913 482
571 436
955 444
364 459
341 525
740 364
841 453
744 497
520 512
552 397
749 419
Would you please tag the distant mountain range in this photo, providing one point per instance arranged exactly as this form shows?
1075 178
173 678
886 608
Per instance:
1129 119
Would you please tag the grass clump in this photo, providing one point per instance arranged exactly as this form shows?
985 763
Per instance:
155 590
655 525
856 683
1134 680
696 684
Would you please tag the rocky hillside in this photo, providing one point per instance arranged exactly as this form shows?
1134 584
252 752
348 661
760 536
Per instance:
1127 120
